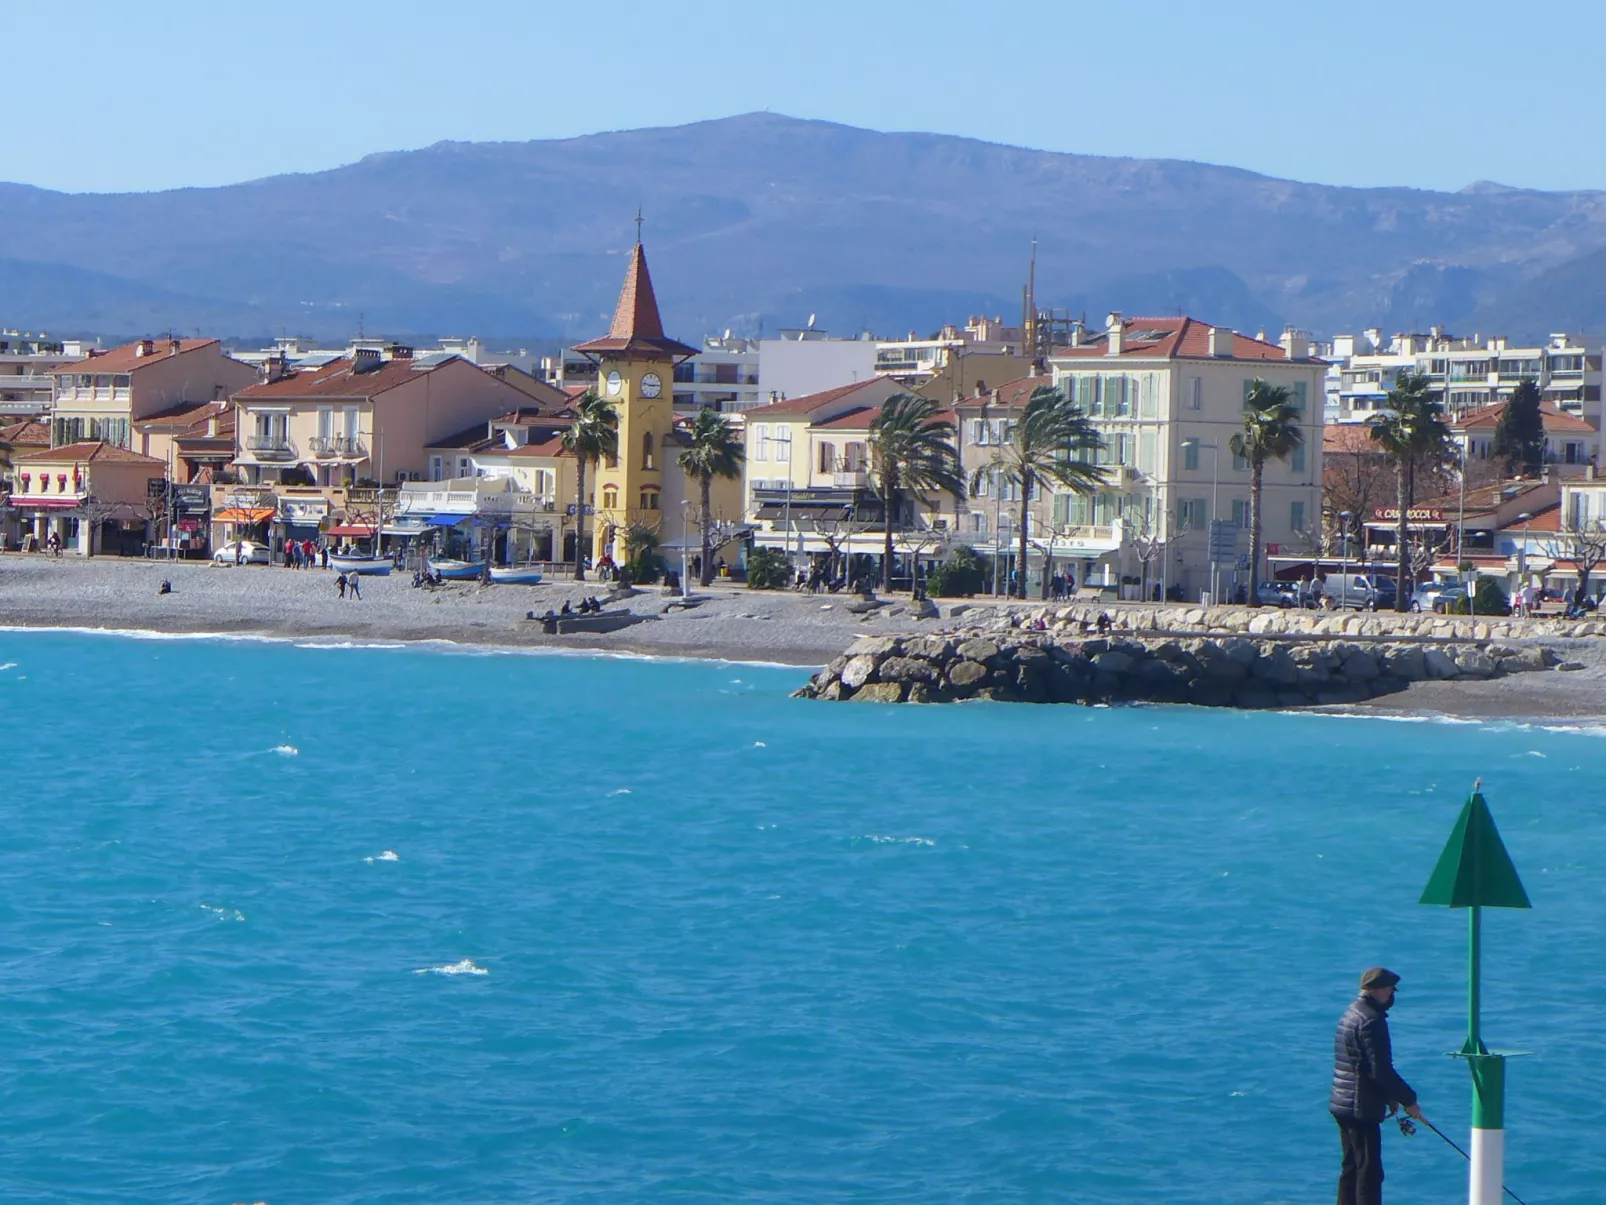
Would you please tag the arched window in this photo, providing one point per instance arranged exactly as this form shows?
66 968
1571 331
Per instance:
610 497
649 499
646 450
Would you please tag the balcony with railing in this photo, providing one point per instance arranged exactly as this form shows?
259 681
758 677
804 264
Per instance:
338 447
270 447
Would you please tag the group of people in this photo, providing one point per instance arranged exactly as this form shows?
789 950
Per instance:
349 585
549 621
305 554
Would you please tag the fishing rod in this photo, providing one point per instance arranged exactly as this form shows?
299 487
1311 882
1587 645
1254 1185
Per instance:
1408 1127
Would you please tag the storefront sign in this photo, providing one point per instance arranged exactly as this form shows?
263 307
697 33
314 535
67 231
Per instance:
303 511
192 501
1415 514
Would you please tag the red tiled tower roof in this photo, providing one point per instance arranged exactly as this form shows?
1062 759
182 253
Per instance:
637 329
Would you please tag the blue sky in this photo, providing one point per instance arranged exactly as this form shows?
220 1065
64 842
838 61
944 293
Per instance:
116 96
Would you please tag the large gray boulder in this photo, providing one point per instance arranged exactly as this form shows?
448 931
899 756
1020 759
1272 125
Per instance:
859 671
880 692
980 649
906 669
967 675
1276 666
1439 665
1112 661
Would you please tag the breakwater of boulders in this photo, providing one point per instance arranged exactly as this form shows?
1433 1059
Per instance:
1036 666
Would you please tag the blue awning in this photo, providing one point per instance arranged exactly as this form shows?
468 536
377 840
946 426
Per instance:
446 520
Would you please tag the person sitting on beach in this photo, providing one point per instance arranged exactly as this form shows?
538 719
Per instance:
165 588
340 585
567 609
1104 623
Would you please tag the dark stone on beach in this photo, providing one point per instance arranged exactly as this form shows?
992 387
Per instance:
1253 695
907 669
880 692
967 675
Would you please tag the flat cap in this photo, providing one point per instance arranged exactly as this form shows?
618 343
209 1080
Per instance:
1378 977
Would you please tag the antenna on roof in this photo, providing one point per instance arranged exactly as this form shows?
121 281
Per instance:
811 321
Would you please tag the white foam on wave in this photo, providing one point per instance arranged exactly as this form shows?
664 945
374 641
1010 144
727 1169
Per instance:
760 745
619 791
465 967
885 840
389 855
350 644
223 913
285 751
8 665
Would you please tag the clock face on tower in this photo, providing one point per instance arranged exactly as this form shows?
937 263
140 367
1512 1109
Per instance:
651 386
614 381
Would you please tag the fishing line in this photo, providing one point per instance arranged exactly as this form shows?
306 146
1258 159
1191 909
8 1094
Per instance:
1408 1127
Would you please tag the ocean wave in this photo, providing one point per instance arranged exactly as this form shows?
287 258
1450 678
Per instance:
389 855
8 665
285 751
880 839
223 913
465 967
351 644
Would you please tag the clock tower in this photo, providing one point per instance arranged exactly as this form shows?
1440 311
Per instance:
635 372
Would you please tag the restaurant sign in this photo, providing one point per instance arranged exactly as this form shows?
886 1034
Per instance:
1415 514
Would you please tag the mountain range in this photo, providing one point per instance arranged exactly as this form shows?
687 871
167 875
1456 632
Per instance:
757 222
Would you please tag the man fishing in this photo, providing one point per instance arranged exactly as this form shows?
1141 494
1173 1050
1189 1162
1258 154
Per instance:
1366 1088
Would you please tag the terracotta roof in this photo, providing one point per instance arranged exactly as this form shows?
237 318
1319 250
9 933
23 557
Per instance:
1548 519
1169 338
94 451
857 419
637 329
1484 497
1011 395
546 448
29 432
801 407
191 420
337 380
127 358
1555 420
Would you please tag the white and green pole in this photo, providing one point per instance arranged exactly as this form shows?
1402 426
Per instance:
1475 872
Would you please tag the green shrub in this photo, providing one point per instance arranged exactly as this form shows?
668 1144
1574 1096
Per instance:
963 574
1490 599
766 570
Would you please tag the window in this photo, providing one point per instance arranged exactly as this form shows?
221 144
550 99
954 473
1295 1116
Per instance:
465 467
1297 459
1240 512
1122 387
326 422
783 445
1194 392
436 468
1296 516
856 459
1240 464
827 457
978 522
1149 400
1190 456
761 441
1191 514
1000 430
610 497
1299 395
981 483
978 431
649 499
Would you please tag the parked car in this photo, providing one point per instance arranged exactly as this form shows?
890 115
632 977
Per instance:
1277 594
242 552
1423 597
1448 600
1359 591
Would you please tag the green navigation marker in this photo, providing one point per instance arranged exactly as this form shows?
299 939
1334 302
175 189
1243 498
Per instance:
1475 872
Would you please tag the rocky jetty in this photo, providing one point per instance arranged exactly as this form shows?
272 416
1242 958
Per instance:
1047 666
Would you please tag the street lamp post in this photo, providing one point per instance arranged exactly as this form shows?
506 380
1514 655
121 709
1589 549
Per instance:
1522 554
1215 509
685 581
1343 552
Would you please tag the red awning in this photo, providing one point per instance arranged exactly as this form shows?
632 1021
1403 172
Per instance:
45 503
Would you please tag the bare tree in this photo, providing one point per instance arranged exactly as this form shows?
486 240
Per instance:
916 539
1584 546
1357 482
92 512
836 530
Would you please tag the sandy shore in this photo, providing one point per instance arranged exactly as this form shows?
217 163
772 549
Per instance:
730 623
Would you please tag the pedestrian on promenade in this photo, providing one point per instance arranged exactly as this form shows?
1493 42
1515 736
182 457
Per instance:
1366 1088
354 586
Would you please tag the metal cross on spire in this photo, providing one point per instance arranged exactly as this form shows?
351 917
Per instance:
638 225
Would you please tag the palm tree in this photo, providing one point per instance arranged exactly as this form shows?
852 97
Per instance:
713 450
593 435
1270 432
911 448
1041 448
1412 430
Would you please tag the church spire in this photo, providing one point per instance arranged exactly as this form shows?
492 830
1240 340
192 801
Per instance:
637 328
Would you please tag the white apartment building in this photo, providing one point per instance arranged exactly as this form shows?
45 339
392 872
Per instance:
1167 394
26 361
1465 373
723 376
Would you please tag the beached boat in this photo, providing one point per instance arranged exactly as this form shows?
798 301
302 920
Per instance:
516 575
456 571
368 566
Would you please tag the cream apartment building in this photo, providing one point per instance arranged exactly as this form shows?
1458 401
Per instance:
362 418
104 396
1167 395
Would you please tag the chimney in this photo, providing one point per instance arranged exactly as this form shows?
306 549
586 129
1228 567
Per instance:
1078 333
366 359
1115 330
147 347
1295 343
1221 342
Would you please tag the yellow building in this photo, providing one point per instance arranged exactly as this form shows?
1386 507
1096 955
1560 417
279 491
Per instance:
635 372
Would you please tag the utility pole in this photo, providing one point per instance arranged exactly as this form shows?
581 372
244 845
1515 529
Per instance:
1475 872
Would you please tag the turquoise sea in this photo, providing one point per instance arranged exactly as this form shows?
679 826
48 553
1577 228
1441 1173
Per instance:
339 925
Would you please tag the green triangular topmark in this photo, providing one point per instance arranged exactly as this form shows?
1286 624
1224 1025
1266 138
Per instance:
1475 868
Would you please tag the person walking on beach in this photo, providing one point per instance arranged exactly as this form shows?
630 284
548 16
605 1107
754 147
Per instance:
1366 1088
340 585
354 586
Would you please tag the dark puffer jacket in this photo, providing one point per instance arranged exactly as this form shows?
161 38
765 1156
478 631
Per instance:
1365 1083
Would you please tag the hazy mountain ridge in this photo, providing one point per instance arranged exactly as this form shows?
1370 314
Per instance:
768 218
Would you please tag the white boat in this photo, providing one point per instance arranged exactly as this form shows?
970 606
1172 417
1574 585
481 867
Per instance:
516 575
368 566
456 571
